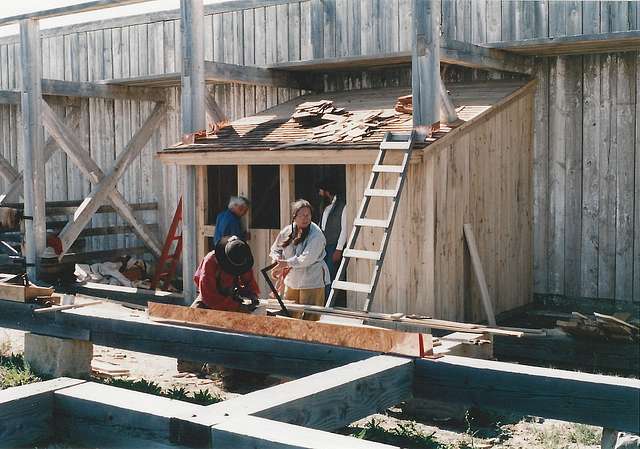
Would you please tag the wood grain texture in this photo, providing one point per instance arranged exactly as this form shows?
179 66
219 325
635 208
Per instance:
368 338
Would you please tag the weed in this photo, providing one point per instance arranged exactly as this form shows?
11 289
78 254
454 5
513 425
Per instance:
142 385
406 435
204 397
15 371
583 434
177 393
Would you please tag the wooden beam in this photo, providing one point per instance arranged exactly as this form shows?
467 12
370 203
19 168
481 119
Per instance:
568 45
9 97
250 431
90 413
81 158
201 211
193 119
85 89
359 337
14 191
479 57
103 190
7 171
254 75
287 192
451 52
32 138
425 68
214 112
479 273
66 10
244 189
293 157
328 400
598 400
448 114
26 413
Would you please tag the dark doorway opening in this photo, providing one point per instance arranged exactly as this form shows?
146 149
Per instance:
306 178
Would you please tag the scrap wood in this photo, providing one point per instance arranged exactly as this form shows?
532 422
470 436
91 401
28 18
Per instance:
359 337
104 368
599 325
20 293
66 307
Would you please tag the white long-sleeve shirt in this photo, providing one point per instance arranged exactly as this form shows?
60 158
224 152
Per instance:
308 269
342 238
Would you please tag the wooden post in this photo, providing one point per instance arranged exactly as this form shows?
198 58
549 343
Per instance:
244 189
33 138
425 66
201 210
287 193
193 119
448 112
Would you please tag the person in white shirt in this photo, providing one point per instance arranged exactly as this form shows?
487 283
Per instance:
333 224
299 252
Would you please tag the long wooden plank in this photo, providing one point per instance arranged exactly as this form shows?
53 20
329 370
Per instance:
479 273
26 412
250 431
75 151
569 396
368 338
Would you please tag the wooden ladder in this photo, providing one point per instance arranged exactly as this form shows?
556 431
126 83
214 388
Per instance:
395 142
165 273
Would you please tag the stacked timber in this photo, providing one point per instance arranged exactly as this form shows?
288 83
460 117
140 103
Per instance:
353 127
600 326
404 105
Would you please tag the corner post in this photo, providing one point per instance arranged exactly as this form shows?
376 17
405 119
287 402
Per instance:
33 139
425 66
193 119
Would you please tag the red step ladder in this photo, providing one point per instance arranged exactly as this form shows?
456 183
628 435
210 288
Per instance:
165 273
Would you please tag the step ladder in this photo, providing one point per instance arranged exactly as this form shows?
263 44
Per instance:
167 264
390 142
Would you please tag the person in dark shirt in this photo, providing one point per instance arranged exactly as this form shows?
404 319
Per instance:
229 222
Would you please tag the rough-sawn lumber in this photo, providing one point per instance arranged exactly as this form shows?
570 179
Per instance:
360 337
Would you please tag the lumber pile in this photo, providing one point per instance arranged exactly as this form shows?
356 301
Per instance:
404 105
600 326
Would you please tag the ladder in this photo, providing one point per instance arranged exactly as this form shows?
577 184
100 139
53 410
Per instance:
391 141
164 273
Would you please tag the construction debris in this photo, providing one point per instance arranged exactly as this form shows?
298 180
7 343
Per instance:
330 124
600 325
404 104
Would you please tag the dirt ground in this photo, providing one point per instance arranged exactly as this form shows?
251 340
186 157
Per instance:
530 433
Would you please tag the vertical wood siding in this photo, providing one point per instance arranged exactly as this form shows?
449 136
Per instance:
585 159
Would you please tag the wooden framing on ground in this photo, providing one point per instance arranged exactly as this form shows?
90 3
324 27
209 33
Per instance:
586 398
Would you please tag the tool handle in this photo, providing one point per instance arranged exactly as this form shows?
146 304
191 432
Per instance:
267 278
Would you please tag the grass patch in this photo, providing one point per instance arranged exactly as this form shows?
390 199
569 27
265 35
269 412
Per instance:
586 435
14 371
406 435
201 397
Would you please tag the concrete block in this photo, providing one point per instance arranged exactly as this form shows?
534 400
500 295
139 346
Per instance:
58 356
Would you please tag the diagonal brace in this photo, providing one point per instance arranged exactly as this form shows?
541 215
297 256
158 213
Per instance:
15 189
81 158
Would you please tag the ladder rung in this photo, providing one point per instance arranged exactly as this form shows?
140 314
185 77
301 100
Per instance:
381 192
371 222
362 254
388 168
395 145
351 286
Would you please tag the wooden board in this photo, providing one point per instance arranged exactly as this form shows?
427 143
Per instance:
20 293
368 338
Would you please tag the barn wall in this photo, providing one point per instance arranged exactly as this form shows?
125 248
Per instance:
585 210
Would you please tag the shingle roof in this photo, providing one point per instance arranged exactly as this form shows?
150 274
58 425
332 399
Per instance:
274 128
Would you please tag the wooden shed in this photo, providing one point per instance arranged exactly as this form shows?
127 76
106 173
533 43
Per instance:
478 173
